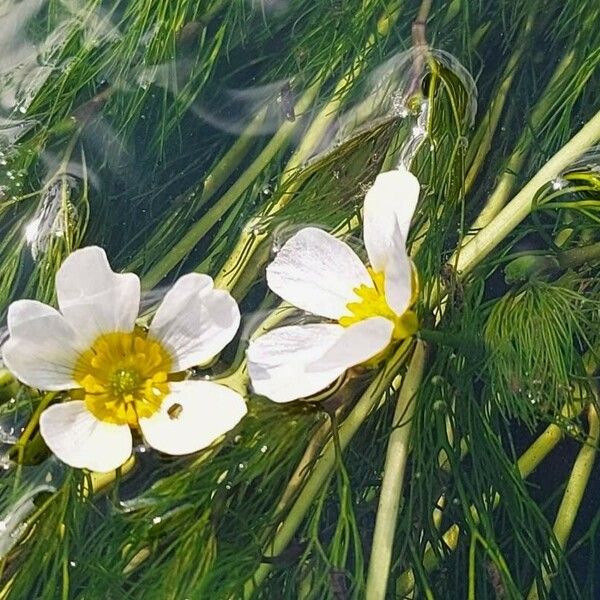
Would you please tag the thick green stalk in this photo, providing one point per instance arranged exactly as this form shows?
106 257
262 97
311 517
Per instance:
211 184
515 163
579 256
252 237
393 478
569 507
233 157
482 140
520 206
324 466
212 216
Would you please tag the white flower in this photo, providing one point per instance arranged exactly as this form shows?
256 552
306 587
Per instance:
118 373
322 275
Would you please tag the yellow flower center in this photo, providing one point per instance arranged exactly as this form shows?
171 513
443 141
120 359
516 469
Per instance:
374 304
123 377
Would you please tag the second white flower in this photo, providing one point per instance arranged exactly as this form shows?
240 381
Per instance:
367 308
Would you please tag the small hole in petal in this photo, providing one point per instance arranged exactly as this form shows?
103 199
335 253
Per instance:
175 411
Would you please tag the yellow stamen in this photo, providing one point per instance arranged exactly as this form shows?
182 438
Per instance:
374 304
123 377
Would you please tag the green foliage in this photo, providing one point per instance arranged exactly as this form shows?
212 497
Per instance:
135 139
533 336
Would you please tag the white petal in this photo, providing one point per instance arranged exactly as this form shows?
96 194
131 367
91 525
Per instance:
42 348
93 298
298 361
398 275
82 441
201 412
389 204
317 273
195 321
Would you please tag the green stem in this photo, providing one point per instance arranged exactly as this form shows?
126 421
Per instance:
467 343
251 238
520 206
515 163
233 157
6 377
569 507
393 478
472 553
579 256
482 140
20 445
211 184
526 464
212 216
325 464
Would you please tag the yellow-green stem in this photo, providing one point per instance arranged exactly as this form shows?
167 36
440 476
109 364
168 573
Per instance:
252 237
19 446
505 185
211 217
520 206
482 139
233 157
6 377
526 464
393 478
324 466
569 507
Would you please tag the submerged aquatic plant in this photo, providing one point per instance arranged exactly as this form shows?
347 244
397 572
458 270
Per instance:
216 137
